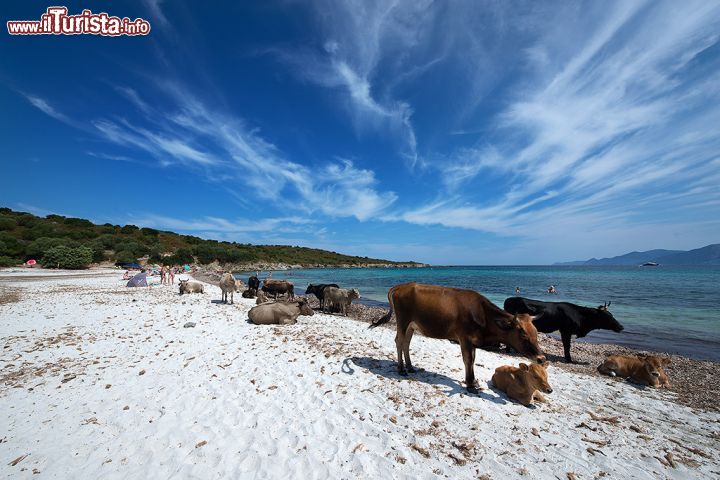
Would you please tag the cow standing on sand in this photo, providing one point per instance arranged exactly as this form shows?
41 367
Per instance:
279 313
278 287
188 286
456 314
569 318
319 291
253 286
340 298
228 285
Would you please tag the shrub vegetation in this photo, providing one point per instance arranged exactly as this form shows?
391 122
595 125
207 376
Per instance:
74 243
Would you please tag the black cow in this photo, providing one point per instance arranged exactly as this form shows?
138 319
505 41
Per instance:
569 318
253 285
319 291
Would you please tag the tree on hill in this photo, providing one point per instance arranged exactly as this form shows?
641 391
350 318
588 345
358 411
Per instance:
63 256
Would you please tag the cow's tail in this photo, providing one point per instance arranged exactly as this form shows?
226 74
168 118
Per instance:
385 318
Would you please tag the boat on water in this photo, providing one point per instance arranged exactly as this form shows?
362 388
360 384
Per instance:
650 264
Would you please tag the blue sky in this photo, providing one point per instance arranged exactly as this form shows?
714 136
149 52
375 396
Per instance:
444 132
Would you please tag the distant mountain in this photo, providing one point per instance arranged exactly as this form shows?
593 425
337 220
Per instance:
709 255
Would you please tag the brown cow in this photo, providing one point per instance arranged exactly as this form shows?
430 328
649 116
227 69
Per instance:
644 369
456 314
524 384
278 287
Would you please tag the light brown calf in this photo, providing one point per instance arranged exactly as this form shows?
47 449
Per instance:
523 384
643 369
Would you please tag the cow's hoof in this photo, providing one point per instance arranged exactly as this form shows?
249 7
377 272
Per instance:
403 373
473 390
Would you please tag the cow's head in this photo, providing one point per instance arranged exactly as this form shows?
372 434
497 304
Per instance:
537 378
605 320
521 334
353 294
305 308
183 286
652 367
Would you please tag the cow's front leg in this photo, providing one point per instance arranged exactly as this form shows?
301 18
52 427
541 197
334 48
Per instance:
468 354
566 336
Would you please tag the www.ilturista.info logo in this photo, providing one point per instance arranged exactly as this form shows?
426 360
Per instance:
56 21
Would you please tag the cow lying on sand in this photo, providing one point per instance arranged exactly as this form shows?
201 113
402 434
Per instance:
643 369
279 313
569 318
524 384
319 291
339 299
456 314
189 286
261 298
278 287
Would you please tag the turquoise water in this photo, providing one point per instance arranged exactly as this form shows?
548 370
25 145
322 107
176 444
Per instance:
673 309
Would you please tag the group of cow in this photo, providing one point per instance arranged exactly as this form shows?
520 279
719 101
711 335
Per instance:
471 320
271 311
462 316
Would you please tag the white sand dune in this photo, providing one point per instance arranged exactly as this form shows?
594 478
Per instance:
144 397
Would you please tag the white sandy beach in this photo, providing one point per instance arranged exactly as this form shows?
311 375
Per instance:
101 381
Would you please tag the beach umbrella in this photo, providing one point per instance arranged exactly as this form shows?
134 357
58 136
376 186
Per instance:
31 262
139 280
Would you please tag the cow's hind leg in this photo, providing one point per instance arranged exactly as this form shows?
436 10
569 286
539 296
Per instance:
406 349
468 354
400 344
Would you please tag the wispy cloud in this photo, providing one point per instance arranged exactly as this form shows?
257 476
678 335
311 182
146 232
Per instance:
356 38
619 115
156 12
134 97
43 105
224 150
214 225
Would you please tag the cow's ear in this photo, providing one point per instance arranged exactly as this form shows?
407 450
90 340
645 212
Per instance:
665 361
506 323
524 366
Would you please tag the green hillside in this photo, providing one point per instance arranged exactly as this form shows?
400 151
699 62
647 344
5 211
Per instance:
24 236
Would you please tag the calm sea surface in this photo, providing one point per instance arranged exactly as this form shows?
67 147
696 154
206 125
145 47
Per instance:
672 309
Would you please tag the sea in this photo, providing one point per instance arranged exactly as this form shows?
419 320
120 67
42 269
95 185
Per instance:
671 309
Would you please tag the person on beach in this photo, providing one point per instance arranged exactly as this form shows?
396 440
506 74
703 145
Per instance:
517 290
171 276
